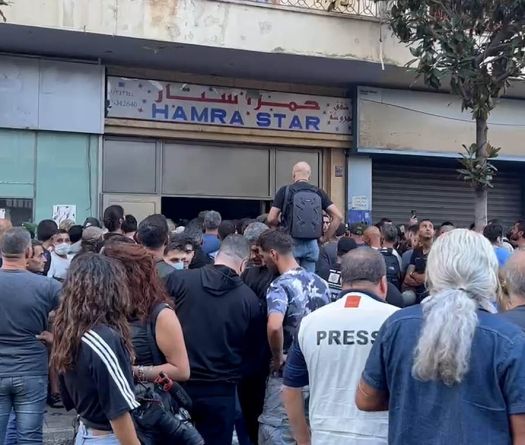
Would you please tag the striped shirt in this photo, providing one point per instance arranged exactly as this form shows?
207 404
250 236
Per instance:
100 387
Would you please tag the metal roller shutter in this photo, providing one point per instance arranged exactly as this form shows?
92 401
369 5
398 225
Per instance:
435 192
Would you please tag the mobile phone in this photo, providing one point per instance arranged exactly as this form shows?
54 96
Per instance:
412 214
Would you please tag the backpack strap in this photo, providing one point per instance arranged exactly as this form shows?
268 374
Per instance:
156 353
285 205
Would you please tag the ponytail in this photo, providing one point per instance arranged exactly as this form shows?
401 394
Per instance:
444 345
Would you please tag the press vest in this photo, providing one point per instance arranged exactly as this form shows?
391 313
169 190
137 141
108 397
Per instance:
335 341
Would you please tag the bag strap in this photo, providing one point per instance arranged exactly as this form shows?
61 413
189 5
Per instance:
156 354
285 205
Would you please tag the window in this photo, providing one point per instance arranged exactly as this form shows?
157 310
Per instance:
17 210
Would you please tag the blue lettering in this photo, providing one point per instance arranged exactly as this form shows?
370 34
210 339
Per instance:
196 117
279 117
296 124
179 114
163 111
218 114
313 121
236 119
264 120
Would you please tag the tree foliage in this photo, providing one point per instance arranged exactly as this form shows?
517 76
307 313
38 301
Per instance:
3 3
475 45
479 44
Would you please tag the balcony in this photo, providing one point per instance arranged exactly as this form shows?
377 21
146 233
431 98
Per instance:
364 8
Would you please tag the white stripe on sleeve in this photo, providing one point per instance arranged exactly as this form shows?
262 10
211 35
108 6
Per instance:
108 357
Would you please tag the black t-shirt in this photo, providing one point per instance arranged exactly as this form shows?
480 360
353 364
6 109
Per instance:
47 266
258 279
200 259
279 203
419 261
100 387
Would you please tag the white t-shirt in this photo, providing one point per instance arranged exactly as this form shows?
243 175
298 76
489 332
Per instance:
335 341
59 266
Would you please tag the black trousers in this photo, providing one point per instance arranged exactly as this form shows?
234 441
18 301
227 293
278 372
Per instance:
251 396
213 410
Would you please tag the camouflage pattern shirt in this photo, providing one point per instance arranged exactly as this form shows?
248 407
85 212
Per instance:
295 294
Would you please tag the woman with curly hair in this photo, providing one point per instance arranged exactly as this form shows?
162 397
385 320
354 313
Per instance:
92 351
156 332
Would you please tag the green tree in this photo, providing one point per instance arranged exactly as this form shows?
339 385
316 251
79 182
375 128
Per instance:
477 46
3 3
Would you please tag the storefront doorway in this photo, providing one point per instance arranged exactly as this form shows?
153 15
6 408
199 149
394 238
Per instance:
185 209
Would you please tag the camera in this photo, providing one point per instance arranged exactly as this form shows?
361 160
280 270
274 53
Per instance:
162 417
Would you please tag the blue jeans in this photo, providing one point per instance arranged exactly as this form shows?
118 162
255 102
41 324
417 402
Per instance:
26 395
10 435
306 252
84 437
274 425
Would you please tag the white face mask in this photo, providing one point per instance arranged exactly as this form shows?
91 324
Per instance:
179 265
62 249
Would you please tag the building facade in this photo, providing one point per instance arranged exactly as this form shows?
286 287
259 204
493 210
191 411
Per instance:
179 106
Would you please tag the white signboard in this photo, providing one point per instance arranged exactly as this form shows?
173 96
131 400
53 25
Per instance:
229 107
2 213
360 203
61 212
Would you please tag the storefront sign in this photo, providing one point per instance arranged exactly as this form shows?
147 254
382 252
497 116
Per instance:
229 107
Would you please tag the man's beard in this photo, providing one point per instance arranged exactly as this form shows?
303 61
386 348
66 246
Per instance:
272 267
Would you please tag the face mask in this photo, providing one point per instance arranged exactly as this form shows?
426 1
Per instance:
62 249
179 265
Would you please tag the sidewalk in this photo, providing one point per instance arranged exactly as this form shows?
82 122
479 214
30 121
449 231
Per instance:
58 427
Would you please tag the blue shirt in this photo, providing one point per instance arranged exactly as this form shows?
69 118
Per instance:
503 255
295 294
26 299
475 411
210 243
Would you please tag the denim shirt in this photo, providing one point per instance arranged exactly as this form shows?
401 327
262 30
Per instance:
476 411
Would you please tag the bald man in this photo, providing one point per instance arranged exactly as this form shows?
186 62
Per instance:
372 237
5 225
298 208
514 274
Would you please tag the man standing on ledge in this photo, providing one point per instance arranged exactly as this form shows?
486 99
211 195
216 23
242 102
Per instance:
299 208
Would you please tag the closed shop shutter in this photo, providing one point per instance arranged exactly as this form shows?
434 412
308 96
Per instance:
435 192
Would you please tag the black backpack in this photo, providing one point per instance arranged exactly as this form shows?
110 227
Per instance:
393 270
306 219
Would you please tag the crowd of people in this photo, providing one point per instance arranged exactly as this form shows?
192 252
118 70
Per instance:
293 328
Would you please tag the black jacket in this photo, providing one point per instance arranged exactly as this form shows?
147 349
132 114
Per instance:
218 314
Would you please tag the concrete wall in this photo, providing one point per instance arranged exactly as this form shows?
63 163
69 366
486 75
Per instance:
243 26
414 121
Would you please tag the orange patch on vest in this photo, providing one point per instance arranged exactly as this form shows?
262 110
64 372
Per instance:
352 301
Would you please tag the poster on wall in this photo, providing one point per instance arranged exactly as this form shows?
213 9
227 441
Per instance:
61 212
227 107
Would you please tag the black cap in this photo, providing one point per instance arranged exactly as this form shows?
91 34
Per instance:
345 245
91 222
357 228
